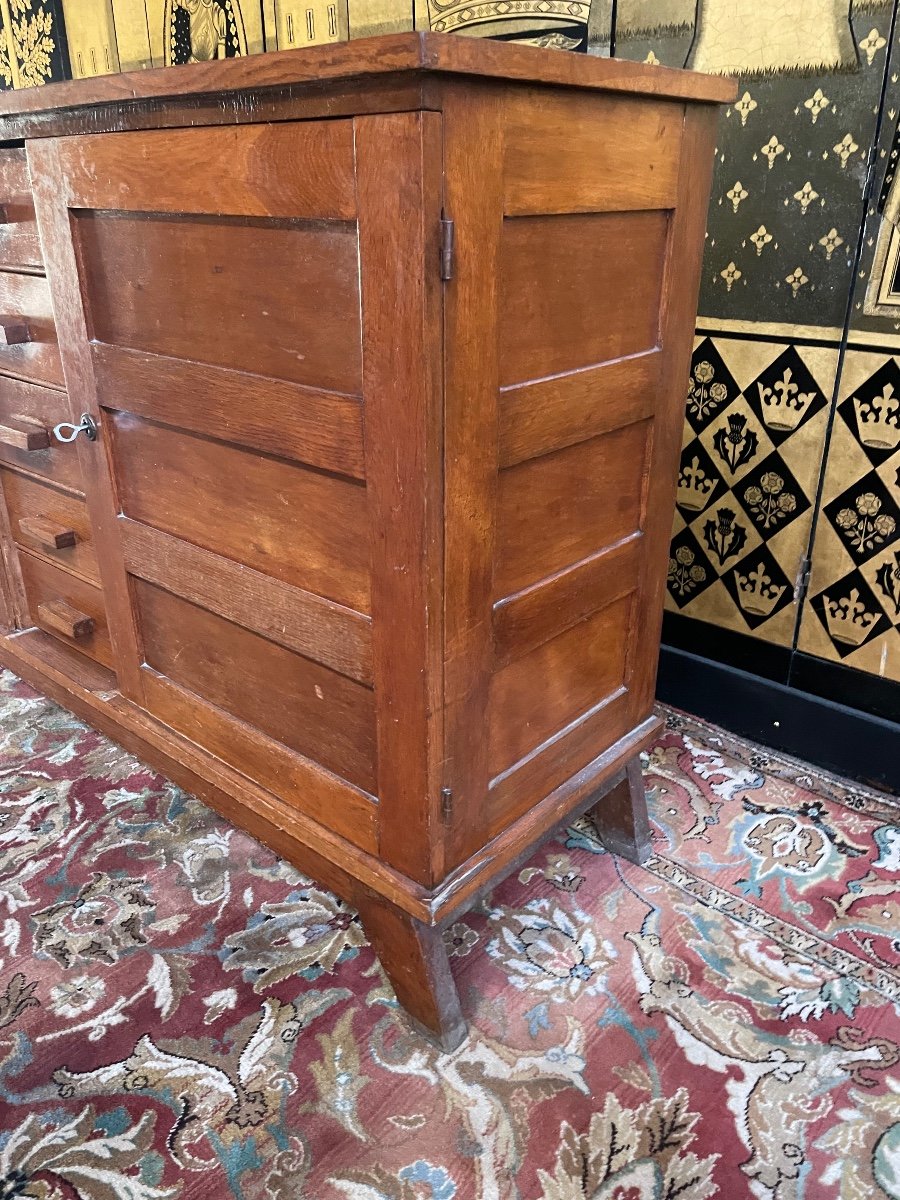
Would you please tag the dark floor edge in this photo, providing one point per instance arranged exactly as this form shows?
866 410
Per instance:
821 732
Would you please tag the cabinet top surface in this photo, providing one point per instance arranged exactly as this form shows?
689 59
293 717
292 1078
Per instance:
449 54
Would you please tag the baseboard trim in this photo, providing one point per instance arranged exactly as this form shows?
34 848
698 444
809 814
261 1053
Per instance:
822 732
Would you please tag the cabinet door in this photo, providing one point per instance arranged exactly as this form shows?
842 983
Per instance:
567 353
223 333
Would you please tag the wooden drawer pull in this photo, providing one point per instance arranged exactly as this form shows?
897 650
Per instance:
14 331
63 618
34 438
48 535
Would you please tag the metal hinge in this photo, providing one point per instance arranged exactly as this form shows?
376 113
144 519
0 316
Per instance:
802 583
446 803
448 235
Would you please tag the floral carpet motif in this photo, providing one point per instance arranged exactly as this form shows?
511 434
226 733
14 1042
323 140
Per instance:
183 1015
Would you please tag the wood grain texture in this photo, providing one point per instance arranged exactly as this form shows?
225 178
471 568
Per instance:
568 152
301 526
398 161
25 435
193 288
304 169
327 633
578 290
312 710
47 587
323 429
529 618
473 146
305 786
29 500
417 964
40 407
620 817
26 298
679 305
103 505
544 691
443 53
20 246
559 509
537 418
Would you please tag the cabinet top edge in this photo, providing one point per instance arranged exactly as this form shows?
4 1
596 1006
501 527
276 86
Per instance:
314 66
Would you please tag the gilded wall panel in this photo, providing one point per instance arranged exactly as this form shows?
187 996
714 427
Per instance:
853 614
757 416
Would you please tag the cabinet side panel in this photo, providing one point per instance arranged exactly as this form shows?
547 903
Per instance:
573 393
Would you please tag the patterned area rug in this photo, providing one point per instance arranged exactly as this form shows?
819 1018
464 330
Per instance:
182 1015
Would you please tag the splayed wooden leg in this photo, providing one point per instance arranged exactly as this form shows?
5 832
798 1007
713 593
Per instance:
415 961
620 816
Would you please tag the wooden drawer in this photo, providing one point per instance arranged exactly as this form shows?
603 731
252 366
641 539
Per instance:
26 310
28 413
67 607
50 523
20 245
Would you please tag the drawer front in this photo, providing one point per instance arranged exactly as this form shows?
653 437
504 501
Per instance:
28 346
66 607
20 244
28 413
51 524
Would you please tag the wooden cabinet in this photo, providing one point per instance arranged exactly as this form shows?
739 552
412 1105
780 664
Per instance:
385 347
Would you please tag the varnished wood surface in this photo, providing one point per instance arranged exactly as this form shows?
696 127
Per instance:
26 299
20 246
30 502
42 408
380 552
392 53
46 584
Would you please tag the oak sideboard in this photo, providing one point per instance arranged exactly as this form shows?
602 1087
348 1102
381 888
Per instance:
341 398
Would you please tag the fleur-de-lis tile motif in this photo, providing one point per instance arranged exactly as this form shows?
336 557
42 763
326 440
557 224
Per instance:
871 44
817 103
845 148
865 526
770 503
771 150
830 242
731 274
760 239
796 279
734 442
724 537
736 193
888 579
745 106
805 196
684 574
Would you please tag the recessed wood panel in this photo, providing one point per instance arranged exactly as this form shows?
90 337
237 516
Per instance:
556 510
25 299
536 697
48 585
536 418
302 526
278 298
564 152
41 408
578 290
296 169
20 245
36 510
308 708
291 420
